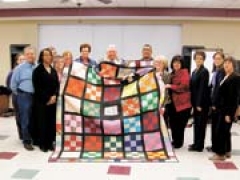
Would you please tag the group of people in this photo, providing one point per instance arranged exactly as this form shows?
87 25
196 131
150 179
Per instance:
36 88
200 95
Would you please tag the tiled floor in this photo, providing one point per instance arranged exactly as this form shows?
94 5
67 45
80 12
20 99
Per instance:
17 163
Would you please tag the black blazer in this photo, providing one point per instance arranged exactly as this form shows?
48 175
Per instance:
45 84
219 77
200 91
228 96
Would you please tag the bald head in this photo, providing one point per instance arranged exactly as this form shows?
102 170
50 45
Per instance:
30 54
111 52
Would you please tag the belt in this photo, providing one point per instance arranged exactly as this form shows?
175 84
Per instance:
24 92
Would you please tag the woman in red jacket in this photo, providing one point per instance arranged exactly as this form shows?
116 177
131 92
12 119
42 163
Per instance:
180 107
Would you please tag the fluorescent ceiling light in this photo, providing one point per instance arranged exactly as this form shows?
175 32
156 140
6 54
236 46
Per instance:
15 0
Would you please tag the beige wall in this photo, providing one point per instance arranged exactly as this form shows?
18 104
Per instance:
14 33
212 34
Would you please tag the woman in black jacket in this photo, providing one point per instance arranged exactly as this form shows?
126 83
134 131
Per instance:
200 97
227 103
217 76
46 86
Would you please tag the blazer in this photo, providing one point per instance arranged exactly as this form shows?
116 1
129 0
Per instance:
45 84
200 91
228 95
180 93
218 78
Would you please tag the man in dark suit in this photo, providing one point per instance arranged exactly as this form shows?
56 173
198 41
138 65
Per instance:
200 97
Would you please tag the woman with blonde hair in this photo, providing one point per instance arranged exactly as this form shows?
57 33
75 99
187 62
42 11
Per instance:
161 65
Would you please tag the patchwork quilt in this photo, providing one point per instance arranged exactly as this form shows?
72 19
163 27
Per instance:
103 116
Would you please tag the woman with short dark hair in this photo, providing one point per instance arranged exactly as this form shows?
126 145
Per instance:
46 85
180 106
227 103
200 97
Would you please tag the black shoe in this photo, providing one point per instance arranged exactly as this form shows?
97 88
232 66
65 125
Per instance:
194 149
191 145
44 149
52 148
176 146
28 147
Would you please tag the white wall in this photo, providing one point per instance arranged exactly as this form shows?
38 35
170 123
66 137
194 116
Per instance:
129 39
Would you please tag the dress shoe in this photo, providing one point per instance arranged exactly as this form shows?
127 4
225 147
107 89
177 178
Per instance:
44 149
217 158
194 149
28 147
52 148
191 146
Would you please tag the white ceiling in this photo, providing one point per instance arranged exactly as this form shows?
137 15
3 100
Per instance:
127 3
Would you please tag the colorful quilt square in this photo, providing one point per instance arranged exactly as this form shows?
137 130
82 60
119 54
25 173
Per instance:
151 121
72 143
93 143
111 110
108 70
93 92
132 124
111 81
123 72
78 70
91 109
75 87
92 155
159 155
130 90
133 143
112 127
147 83
92 126
70 155
113 155
152 141
131 106
135 155
149 101
73 123
72 104
112 143
111 94
146 63
93 77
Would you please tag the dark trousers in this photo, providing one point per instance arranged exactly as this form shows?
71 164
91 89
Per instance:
178 122
166 115
222 143
45 125
24 104
199 127
215 118
18 123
